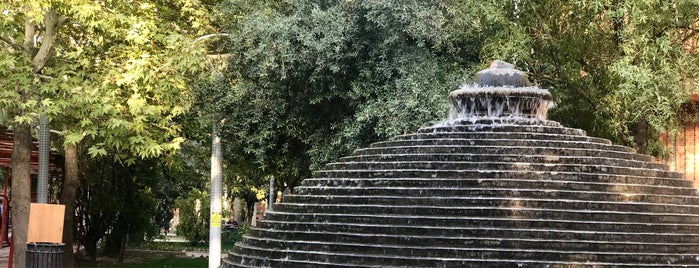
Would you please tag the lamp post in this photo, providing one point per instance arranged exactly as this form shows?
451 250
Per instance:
216 185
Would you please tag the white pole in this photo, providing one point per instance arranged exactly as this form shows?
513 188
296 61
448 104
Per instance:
216 185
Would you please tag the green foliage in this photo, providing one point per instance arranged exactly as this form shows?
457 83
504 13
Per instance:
310 81
612 64
172 246
116 201
194 216
315 80
230 237
118 71
185 170
180 246
114 75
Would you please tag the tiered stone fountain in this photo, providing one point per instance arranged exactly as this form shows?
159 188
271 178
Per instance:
497 185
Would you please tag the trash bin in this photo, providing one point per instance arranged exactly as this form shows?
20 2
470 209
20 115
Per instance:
44 255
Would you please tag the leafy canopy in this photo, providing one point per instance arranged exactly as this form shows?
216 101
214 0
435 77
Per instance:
118 71
314 80
612 64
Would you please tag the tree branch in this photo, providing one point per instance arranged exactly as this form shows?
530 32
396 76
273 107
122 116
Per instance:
53 21
41 76
219 56
29 31
201 38
11 43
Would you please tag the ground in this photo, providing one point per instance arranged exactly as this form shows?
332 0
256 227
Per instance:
135 257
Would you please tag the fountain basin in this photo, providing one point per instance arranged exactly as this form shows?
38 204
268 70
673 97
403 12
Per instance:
473 102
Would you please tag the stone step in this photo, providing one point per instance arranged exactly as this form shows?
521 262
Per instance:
481 263
608 244
498 201
479 166
446 257
478 170
500 135
236 260
475 175
540 193
468 127
378 231
469 222
508 209
557 182
503 143
500 158
503 150
250 261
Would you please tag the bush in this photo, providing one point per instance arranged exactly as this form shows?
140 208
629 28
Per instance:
194 216
172 246
229 237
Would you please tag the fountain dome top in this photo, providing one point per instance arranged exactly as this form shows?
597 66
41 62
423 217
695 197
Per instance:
501 73
500 92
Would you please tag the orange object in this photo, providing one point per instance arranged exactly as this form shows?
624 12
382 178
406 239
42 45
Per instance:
45 223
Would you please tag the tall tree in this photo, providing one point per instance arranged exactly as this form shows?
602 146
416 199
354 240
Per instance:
24 63
618 68
117 203
315 80
115 72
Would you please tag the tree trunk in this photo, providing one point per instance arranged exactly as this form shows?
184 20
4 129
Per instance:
114 241
250 208
122 247
21 190
21 154
641 136
91 249
70 185
237 210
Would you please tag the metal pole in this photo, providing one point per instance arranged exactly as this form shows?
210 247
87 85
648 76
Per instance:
216 185
5 208
42 184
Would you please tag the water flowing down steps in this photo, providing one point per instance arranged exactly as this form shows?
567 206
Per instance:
494 186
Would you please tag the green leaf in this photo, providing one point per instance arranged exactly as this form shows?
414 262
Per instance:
96 151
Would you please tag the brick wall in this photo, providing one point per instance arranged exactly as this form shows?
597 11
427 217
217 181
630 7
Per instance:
686 152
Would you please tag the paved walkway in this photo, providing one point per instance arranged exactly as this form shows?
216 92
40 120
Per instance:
4 257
